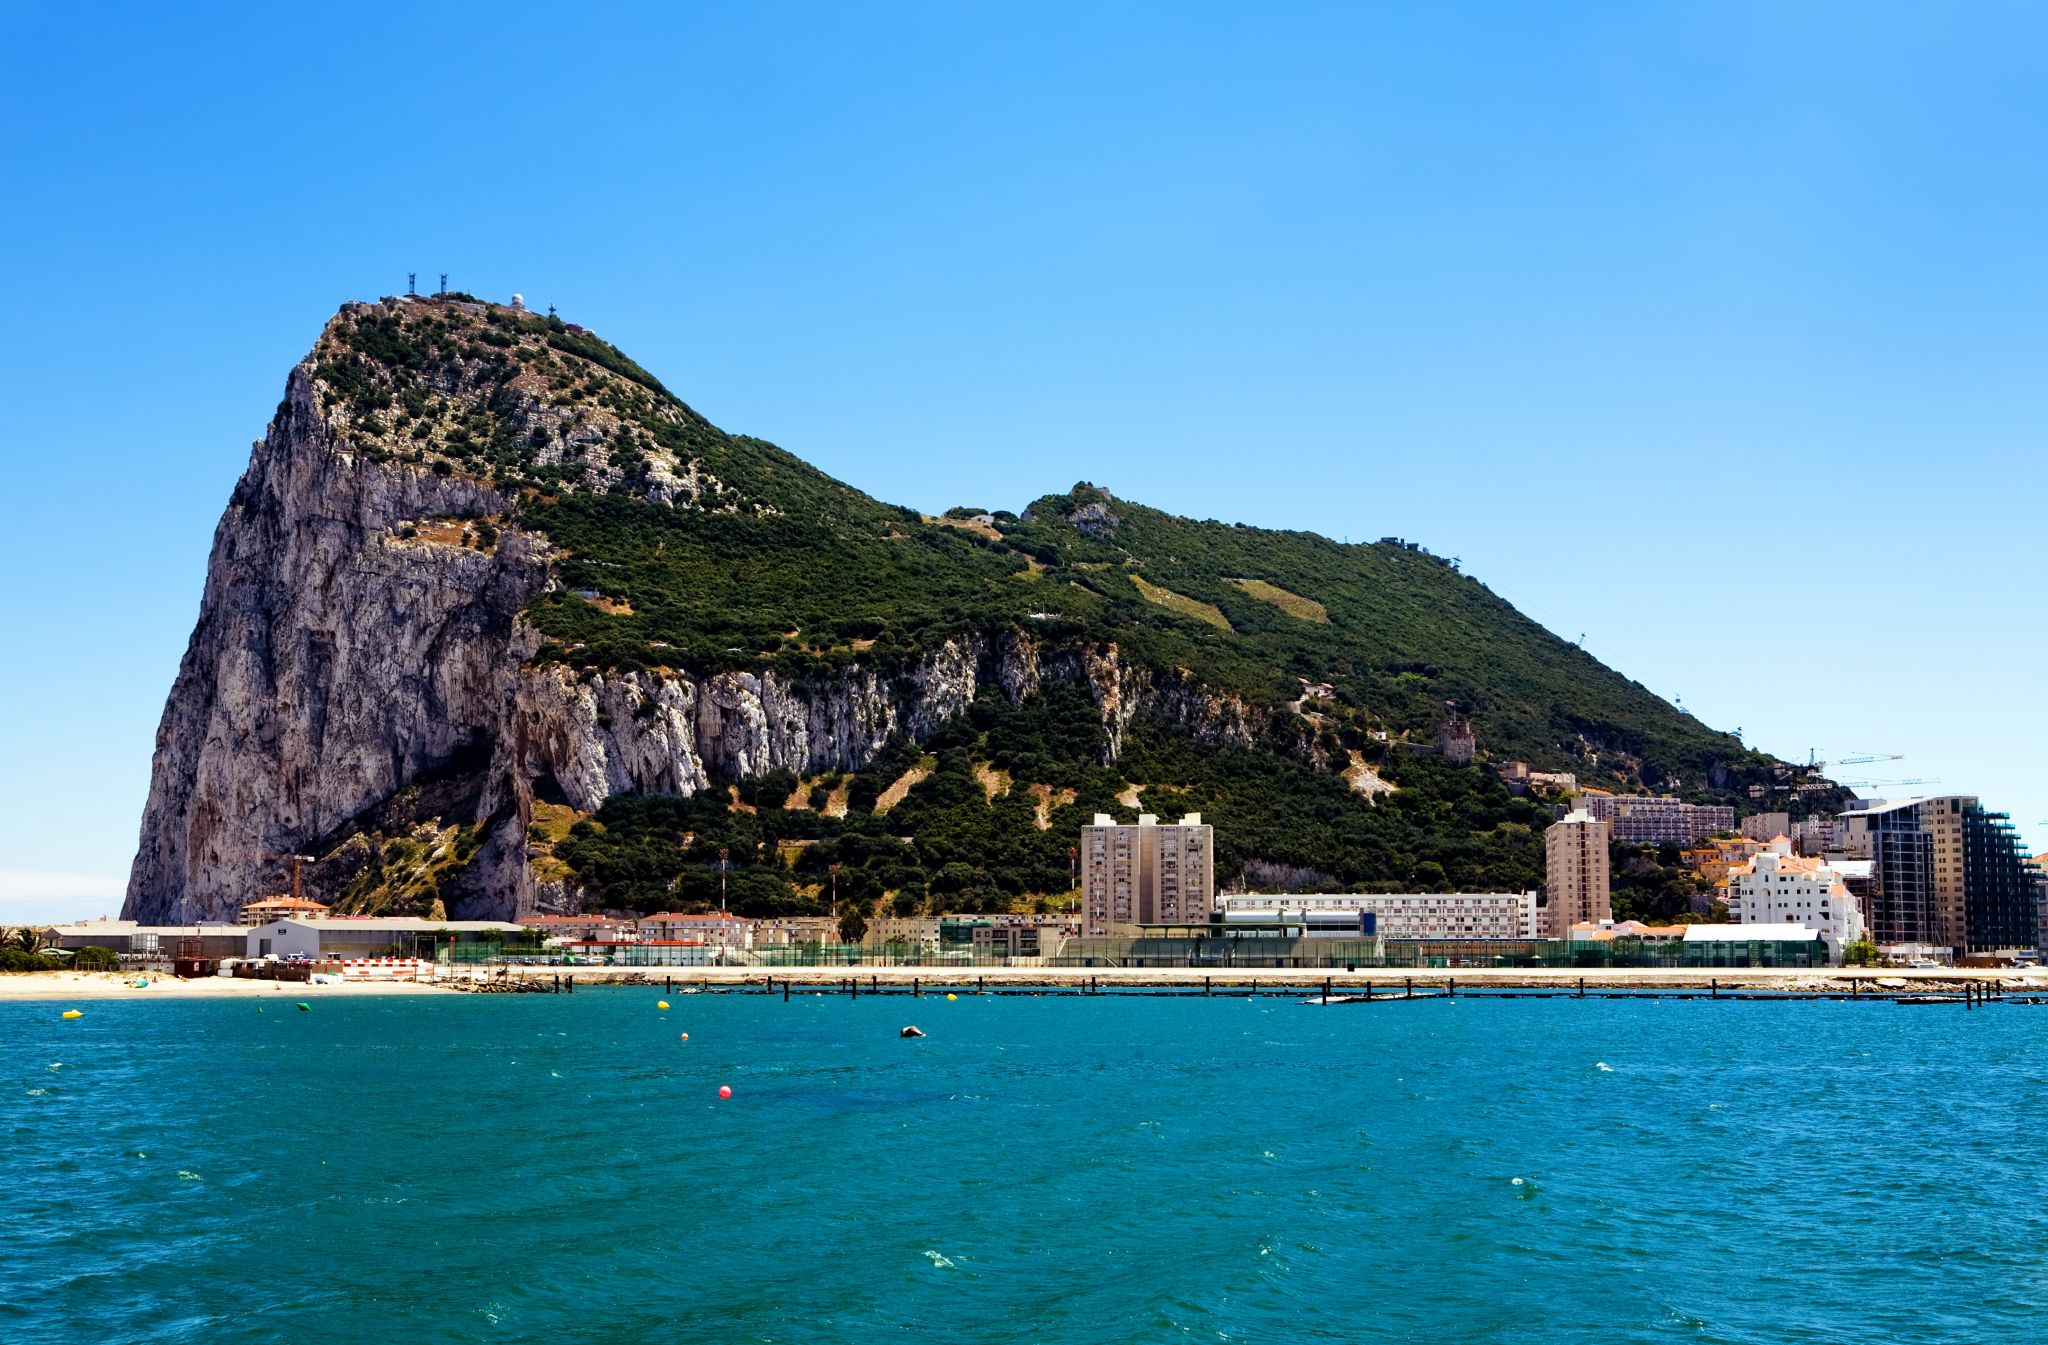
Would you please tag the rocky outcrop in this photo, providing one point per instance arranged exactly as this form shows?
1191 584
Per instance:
333 663
360 666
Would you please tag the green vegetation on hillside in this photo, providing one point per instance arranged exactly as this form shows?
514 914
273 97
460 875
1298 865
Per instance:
949 845
1653 883
732 552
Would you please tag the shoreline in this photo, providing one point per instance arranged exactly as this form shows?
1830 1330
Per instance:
42 986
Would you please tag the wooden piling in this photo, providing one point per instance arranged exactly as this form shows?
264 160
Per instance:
1326 990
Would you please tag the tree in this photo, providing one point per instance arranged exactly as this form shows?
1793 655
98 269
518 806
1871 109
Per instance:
853 926
27 939
92 957
1860 953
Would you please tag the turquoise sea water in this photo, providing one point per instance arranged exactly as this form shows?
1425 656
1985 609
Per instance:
1056 1169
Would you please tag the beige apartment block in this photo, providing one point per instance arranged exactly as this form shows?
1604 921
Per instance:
1146 874
1575 850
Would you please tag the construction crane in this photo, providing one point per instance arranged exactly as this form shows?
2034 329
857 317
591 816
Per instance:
298 862
1814 763
1795 778
1887 784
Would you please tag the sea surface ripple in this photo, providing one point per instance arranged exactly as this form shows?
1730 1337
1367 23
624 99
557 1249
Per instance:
1056 1169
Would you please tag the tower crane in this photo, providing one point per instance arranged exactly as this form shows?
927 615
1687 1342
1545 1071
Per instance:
1814 763
298 862
1806 779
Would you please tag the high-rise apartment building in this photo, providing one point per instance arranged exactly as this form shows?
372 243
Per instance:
1575 852
1945 875
1643 819
1146 874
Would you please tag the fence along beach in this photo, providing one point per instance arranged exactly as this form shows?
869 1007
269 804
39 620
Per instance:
1967 987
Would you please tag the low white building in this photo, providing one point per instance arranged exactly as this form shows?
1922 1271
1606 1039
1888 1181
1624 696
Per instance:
1396 915
330 937
910 933
570 928
1778 887
715 928
789 930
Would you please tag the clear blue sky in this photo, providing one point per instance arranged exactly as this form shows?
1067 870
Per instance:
1714 332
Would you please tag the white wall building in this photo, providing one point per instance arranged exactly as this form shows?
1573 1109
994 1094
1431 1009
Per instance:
373 936
1778 887
1397 915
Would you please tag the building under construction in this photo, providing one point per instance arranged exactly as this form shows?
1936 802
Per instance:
1947 877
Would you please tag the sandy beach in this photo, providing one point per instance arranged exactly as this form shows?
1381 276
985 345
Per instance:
91 985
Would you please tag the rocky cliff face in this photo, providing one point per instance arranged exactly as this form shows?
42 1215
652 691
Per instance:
333 664
360 668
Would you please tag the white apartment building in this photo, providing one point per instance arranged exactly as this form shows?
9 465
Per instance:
1779 888
1396 915
795 929
912 933
714 929
1146 874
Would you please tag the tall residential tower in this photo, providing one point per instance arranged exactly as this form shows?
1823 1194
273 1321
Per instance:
1575 850
1147 874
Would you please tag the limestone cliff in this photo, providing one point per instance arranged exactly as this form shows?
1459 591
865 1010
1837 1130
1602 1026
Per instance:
360 664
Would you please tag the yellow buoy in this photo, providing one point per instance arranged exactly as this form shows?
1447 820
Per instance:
74 1013
661 1004
952 997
